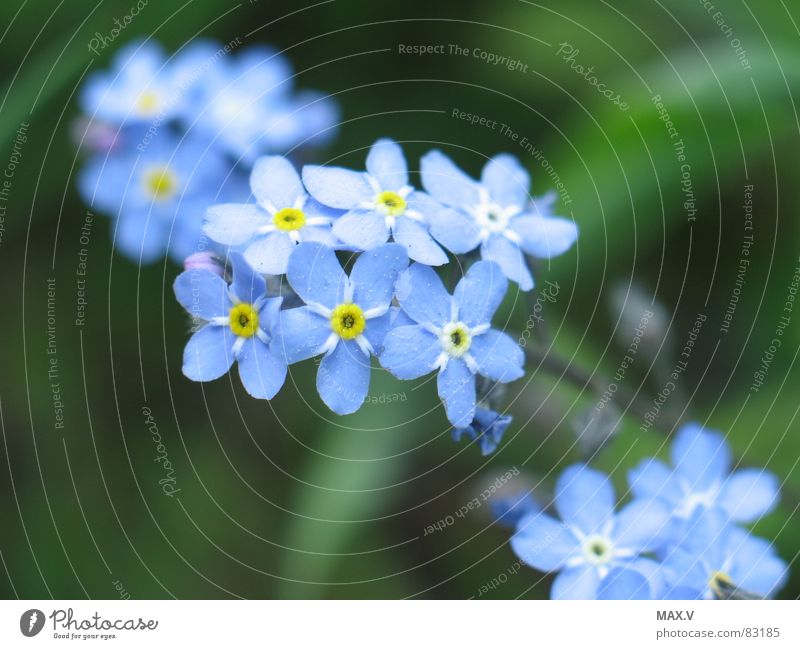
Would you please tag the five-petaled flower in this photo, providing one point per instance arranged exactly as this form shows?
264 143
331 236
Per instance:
237 323
380 203
496 214
453 335
283 216
590 540
345 319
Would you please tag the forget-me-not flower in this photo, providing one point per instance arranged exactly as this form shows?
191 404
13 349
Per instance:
380 202
345 319
712 551
158 195
591 539
237 323
282 217
452 335
700 477
496 214
488 427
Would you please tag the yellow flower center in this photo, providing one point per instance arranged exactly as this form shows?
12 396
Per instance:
289 218
456 339
391 203
348 321
147 103
244 320
160 183
720 583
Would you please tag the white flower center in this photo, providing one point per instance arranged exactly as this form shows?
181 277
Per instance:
598 550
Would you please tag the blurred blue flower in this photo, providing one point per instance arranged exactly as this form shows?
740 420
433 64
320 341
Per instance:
237 323
247 105
452 335
712 550
591 539
158 195
701 477
345 319
381 204
282 217
488 427
496 214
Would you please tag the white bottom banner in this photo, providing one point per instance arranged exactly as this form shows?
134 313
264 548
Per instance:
355 624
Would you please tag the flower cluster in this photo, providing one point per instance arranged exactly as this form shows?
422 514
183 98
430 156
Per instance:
676 539
392 305
170 136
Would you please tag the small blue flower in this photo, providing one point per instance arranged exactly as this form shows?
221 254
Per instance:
452 335
488 426
711 550
158 195
590 540
345 318
283 216
496 214
237 323
701 477
246 102
381 204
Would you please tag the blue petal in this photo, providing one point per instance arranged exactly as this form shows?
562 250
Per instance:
576 583
410 352
756 567
624 583
275 181
387 164
480 292
270 253
543 542
247 285
443 180
316 275
343 378
454 230
642 526
202 293
498 356
749 494
321 234
584 498
376 330
337 187
456 384
301 333
653 479
509 257
545 237
262 372
375 273
422 295
233 224
701 457
140 235
362 229
208 354
418 242
507 181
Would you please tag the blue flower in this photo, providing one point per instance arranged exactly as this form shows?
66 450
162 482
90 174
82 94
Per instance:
237 323
247 104
496 214
488 426
712 550
591 539
158 195
381 204
345 318
701 477
140 86
283 217
452 335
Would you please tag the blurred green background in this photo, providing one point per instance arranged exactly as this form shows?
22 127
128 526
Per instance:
283 499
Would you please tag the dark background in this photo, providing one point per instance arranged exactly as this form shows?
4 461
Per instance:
284 499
